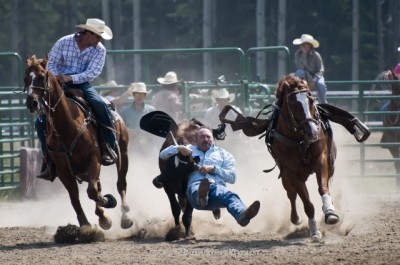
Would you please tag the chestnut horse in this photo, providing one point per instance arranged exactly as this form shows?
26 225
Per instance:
73 143
301 144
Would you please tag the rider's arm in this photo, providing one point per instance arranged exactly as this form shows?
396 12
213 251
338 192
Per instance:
94 68
173 150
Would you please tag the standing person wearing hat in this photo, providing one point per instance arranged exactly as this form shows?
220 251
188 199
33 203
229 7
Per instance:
140 141
309 64
76 60
112 93
221 98
168 98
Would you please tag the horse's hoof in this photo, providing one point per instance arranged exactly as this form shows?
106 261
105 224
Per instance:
316 236
217 214
126 223
111 202
105 223
331 218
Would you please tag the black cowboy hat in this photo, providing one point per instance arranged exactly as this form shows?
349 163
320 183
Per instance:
158 123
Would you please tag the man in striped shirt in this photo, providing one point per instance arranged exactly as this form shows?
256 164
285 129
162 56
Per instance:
76 60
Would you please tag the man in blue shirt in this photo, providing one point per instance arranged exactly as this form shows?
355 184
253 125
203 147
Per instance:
131 114
206 188
76 60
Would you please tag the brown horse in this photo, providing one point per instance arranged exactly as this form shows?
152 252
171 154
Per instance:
301 144
73 143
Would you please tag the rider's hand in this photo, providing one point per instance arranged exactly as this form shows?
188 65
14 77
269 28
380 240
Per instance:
206 169
185 151
64 78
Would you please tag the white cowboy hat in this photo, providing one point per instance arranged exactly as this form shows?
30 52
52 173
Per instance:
222 94
169 79
306 38
138 87
97 26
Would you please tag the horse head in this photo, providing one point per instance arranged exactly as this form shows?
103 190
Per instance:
36 84
298 107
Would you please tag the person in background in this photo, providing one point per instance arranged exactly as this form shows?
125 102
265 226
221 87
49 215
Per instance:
75 60
168 98
309 65
206 189
133 113
112 92
221 98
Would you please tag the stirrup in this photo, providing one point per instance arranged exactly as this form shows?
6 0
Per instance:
47 175
108 155
362 132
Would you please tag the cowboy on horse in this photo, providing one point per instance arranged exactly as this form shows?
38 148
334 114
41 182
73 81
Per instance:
76 60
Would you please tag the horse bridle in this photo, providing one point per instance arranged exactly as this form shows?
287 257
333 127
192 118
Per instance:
46 89
296 126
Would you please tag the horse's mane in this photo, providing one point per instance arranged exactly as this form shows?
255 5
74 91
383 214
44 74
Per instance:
287 84
33 61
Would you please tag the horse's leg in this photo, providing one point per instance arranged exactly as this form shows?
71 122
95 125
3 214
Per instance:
187 221
323 188
126 222
292 195
299 184
94 193
72 187
122 168
175 207
396 154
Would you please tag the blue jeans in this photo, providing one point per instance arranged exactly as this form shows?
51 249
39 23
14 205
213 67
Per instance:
320 85
99 107
218 197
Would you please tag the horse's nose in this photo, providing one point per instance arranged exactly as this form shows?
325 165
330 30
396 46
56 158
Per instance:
32 104
312 131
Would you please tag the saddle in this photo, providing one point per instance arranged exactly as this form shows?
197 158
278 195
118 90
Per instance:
76 96
253 126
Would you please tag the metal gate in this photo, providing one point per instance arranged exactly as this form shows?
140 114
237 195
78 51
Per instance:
16 127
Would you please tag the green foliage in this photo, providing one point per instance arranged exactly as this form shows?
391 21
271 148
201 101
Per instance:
32 27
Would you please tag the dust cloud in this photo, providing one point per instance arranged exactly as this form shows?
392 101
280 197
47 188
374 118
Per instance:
151 212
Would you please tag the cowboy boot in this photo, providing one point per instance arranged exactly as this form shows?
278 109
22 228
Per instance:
48 171
108 155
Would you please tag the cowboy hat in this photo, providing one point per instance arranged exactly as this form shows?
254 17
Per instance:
169 79
109 86
222 94
138 87
306 38
97 26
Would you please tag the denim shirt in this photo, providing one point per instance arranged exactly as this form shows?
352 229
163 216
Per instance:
223 161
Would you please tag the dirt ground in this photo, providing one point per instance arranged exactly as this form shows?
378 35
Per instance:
368 231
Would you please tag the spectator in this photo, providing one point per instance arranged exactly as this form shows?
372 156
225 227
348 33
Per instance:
206 189
134 112
168 98
221 98
309 65
112 93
